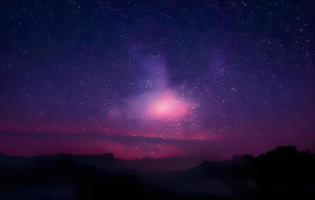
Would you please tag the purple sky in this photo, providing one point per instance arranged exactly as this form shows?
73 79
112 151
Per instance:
206 79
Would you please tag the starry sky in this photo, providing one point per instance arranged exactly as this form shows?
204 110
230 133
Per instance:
202 78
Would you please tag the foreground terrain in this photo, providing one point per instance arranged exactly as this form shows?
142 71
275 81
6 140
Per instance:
282 173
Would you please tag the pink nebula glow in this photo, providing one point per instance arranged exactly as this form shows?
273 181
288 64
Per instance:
168 106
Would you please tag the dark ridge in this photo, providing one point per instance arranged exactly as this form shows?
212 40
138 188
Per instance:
283 173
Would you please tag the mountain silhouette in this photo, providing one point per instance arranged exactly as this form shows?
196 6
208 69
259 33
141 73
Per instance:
282 173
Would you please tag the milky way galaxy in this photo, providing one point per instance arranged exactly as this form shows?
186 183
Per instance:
158 101
202 79
167 106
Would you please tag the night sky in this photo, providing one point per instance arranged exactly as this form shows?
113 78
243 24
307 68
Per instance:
207 79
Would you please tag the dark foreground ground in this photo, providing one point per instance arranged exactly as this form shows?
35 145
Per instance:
283 173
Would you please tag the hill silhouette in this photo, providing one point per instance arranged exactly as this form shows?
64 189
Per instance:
282 173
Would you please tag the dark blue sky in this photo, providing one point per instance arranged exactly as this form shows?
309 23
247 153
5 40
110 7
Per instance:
156 78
